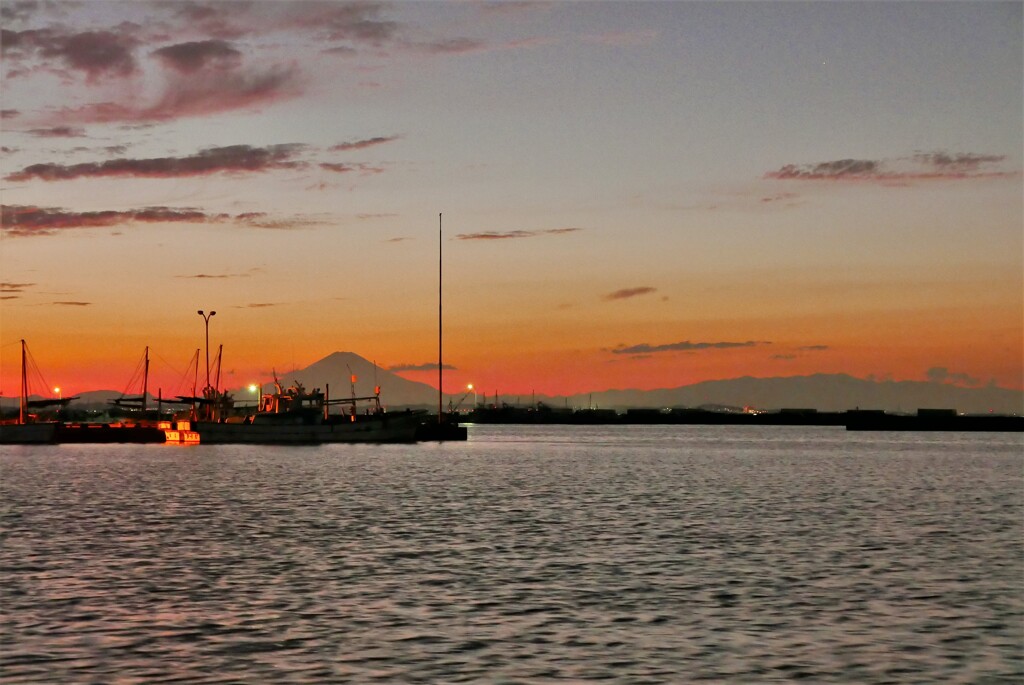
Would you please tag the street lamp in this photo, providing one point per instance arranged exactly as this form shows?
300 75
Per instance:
470 387
255 390
206 320
60 395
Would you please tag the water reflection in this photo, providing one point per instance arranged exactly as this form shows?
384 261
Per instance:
527 554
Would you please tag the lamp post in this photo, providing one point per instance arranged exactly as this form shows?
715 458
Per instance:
60 393
255 390
470 387
206 320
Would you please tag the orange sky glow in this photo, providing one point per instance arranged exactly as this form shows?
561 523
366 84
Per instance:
645 199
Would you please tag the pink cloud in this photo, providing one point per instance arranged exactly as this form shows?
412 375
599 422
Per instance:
206 92
57 132
450 46
97 54
189 58
627 293
919 167
362 144
22 221
230 159
519 233
339 168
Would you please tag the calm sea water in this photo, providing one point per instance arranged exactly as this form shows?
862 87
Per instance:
528 554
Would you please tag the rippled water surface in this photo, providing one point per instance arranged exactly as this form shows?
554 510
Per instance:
528 554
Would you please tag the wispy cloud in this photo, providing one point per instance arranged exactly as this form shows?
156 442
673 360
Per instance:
96 54
365 169
23 221
356 23
18 220
779 197
233 159
429 366
261 220
205 92
228 276
940 374
627 293
449 46
798 352
215 277
957 162
230 61
685 346
362 144
15 287
922 166
71 303
57 132
20 10
507 235
191 57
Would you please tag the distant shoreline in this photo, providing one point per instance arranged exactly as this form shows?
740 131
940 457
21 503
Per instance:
854 420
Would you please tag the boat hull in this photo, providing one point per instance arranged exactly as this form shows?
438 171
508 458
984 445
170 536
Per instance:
400 427
448 431
103 433
28 433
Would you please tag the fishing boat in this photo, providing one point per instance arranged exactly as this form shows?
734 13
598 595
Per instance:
30 428
296 416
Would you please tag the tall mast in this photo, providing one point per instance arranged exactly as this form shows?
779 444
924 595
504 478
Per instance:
195 383
440 357
220 353
23 403
145 383
215 395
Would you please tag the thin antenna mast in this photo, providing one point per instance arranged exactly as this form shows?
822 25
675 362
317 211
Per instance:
440 357
23 400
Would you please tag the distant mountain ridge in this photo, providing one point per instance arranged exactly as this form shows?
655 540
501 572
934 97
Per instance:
824 392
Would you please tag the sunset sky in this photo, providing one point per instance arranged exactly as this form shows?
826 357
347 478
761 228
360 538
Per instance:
635 194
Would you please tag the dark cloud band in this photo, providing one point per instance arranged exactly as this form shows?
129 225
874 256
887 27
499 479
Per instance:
685 346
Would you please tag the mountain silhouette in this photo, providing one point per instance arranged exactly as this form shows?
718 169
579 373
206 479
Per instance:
336 369
824 392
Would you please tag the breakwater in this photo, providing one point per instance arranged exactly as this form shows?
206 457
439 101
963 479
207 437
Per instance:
855 419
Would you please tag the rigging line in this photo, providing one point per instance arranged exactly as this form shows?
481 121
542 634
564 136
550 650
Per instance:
182 376
32 372
136 375
189 381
